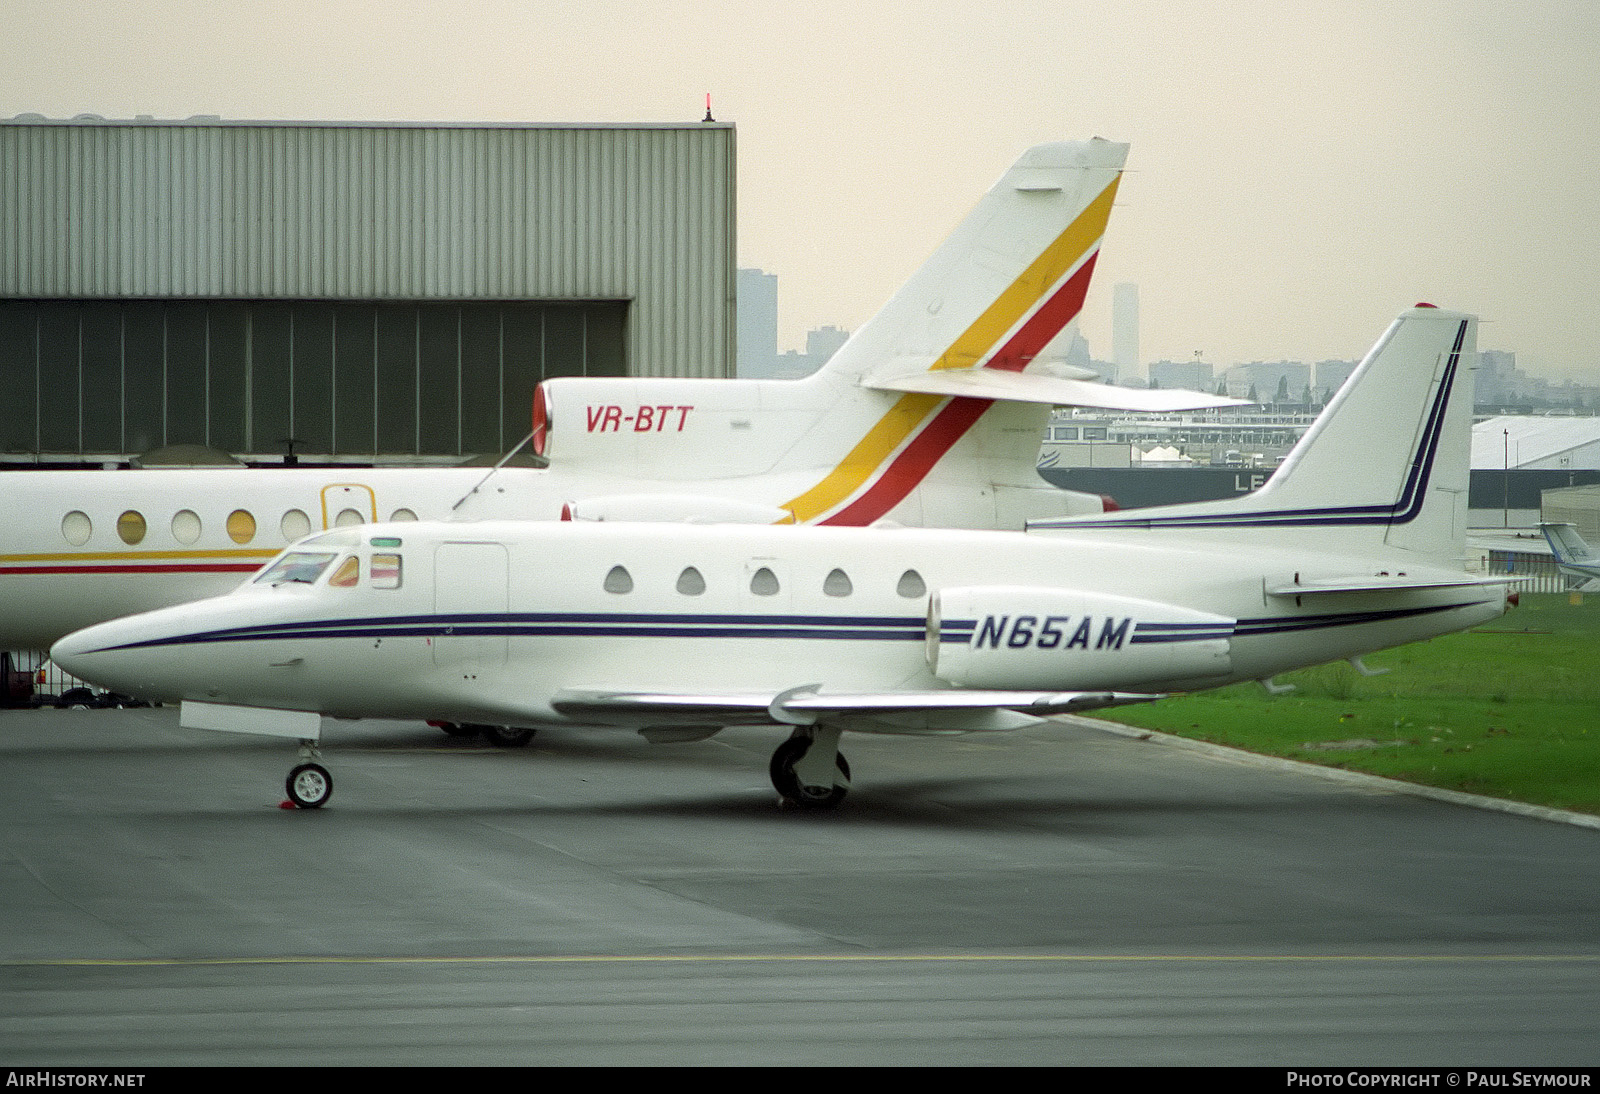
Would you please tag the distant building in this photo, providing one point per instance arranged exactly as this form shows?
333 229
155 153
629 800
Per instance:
821 344
757 352
1271 381
1125 329
1330 377
824 342
353 292
1560 443
1192 375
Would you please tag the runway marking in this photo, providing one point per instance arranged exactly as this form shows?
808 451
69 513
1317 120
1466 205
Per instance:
778 958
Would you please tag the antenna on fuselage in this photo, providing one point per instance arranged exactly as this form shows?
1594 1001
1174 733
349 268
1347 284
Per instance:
503 461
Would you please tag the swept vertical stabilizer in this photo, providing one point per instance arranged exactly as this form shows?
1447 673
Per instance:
1386 463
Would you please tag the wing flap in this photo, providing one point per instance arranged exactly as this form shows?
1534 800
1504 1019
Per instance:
886 712
1385 583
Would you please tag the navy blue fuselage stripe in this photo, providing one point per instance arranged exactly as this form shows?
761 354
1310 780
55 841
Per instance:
1406 508
899 629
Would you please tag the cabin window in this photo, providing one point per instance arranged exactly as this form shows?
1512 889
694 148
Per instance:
300 567
131 527
690 583
186 526
837 583
764 582
911 585
618 580
403 514
385 572
347 518
242 526
76 528
295 525
348 573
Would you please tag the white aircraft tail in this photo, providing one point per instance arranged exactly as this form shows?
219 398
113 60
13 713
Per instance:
901 424
1388 460
1568 546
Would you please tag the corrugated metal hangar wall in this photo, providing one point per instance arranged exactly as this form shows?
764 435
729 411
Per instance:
368 291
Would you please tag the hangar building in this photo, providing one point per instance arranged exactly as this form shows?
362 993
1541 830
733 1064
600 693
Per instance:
347 292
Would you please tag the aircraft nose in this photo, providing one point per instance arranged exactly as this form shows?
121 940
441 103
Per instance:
104 656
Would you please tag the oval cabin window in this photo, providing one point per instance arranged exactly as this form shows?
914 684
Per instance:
131 527
242 526
618 580
76 528
837 584
347 518
295 525
186 526
764 582
911 585
690 583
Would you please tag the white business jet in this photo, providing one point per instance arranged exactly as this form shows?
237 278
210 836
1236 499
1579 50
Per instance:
931 415
678 631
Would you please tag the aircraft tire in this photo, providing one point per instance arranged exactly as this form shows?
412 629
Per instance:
791 793
309 786
507 736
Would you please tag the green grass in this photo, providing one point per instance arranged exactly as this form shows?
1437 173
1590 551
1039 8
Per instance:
1511 710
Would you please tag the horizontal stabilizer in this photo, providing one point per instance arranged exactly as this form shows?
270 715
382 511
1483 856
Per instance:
1031 387
1381 583
807 706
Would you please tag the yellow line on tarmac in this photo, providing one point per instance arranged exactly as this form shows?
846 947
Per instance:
782 958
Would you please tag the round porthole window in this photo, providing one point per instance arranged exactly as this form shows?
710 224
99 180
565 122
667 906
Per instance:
241 526
131 527
186 526
76 528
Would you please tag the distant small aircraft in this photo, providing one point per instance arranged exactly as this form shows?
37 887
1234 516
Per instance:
930 415
1573 554
678 631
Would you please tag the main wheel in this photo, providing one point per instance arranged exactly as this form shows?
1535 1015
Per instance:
788 785
507 736
309 786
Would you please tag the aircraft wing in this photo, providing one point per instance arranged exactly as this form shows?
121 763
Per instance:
1386 583
1030 387
883 712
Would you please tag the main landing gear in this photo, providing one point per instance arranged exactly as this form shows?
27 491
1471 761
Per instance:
808 770
499 736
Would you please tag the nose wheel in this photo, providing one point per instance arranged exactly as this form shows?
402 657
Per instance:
309 785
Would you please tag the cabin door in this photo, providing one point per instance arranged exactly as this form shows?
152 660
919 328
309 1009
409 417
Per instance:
470 591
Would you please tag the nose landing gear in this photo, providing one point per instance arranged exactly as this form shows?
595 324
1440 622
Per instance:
309 785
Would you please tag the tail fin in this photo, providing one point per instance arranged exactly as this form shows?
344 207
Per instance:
1387 461
1018 266
901 424
1567 545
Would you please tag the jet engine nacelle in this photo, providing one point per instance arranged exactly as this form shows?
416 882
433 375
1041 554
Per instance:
1018 637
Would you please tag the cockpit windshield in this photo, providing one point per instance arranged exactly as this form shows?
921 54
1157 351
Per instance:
297 566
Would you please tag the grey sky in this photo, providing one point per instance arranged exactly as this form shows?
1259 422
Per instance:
1299 171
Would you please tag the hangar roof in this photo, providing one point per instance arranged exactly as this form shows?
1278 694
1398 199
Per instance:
1561 443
